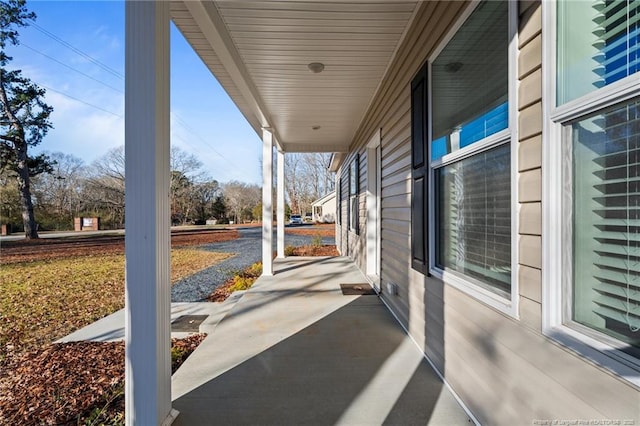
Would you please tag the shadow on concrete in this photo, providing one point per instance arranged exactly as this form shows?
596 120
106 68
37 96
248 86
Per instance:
353 366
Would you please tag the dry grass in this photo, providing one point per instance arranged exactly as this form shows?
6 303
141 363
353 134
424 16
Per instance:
43 301
187 261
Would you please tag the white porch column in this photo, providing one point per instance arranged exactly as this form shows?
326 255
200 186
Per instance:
280 206
267 202
147 240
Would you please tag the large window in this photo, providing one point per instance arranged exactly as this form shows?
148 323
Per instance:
595 132
470 154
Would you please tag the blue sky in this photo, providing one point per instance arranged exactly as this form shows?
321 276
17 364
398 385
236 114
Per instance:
89 107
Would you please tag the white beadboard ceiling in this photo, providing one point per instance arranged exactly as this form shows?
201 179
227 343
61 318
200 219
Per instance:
259 52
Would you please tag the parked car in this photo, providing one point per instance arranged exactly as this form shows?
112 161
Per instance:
295 219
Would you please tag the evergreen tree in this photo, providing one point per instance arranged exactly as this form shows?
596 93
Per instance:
24 116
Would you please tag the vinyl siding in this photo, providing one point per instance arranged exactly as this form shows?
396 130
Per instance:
503 368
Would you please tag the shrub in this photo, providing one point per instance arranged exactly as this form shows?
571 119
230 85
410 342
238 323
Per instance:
245 279
241 283
255 270
316 241
289 250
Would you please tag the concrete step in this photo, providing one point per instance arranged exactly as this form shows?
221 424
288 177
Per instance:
111 327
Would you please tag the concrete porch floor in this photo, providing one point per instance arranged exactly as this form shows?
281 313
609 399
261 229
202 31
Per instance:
293 351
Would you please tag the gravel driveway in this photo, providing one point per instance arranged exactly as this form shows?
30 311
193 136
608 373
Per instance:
247 250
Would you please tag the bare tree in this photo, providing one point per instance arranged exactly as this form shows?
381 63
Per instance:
307 178
104 189
205 196
241 198
186 172
58 195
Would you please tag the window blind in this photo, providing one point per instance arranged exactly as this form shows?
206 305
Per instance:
607 222
474 218
617 35
605 53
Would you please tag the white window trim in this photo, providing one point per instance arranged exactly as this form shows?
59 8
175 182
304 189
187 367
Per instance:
556 296
507 306
373 207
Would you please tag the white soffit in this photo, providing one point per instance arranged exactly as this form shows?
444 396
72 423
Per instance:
259 52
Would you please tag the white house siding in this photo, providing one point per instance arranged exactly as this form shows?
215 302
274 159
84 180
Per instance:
503 368
327 206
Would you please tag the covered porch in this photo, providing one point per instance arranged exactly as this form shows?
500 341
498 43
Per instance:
304 75
295 350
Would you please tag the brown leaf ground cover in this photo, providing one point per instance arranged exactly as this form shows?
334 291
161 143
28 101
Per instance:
319 229
72 383
56 248
313 250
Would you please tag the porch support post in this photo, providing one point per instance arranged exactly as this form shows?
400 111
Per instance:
147 240
267 202
280 204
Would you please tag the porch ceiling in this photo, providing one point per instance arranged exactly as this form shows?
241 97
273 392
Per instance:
259 52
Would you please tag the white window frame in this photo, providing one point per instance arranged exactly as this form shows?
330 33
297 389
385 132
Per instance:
509 136
556 293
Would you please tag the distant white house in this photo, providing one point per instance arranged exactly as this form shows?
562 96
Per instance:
324 209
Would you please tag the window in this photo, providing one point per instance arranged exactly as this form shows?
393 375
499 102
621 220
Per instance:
606 223
354 189
607 52
470 81
473 222
470 156
594 143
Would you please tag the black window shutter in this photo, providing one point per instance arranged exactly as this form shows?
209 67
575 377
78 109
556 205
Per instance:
419 174
340 200
357 206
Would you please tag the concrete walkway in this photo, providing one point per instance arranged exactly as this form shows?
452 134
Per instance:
293 350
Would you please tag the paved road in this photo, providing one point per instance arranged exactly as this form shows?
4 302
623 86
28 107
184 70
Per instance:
247 250
61 234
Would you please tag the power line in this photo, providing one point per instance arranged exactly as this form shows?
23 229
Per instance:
108 69
184 125
72 68
78 51
80 100
197 150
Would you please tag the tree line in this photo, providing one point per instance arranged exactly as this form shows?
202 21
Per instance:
71 188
